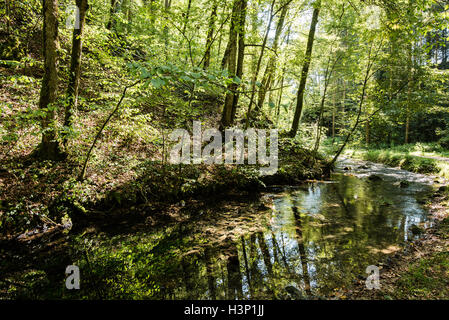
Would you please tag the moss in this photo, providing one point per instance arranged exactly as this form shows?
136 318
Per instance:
427 278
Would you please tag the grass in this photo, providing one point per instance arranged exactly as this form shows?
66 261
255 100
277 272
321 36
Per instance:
407 157
427 278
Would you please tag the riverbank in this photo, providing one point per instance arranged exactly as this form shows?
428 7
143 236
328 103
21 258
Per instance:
421 270
410 160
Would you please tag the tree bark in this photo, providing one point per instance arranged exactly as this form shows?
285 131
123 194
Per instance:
240 54
210 35
49 147
75 67
231 56
305 70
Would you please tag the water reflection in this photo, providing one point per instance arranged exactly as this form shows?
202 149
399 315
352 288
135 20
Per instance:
320 237
315 238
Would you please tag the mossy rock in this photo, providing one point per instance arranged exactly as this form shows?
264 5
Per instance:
416 230
374 177
404 184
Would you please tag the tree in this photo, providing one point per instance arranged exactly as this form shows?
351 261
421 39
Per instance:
210 34
112 12
305 69
75 67
236 32
271 65
49 147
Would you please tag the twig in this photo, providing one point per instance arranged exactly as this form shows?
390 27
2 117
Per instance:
83 172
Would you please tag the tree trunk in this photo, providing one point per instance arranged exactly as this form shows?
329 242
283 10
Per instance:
305 70
210 35
271 65
359 112
187 15
410 81
112 11
231 56
49 147
75 66
367 133
167 5
240 54
259 61
8 15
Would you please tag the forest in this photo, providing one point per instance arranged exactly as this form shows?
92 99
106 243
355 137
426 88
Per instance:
224 149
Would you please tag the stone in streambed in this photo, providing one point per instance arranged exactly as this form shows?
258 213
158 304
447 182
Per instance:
404 184
374 177
415 229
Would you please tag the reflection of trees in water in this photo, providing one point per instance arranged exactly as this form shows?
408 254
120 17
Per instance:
302 250
325 249
234 289
210 275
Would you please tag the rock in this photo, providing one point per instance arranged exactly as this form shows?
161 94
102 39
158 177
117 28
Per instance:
415 229
421 200
404 184
374 177
294 293
363 167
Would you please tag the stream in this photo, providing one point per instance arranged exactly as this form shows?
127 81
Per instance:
298 242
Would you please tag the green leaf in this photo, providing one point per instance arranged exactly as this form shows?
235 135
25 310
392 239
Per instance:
157 83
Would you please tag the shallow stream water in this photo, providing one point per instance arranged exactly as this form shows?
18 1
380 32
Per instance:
297 242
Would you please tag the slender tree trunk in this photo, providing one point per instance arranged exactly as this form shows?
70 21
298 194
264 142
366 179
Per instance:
129 14
409 98
152 13
235 289
240 54
259 61
327 78
444 49
112 11
75 67
359 113
187 16
167 5
210 276
231 56
8 15
410 80
210 35
49 147
271 65
334 108
302 250
367 133
305 70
